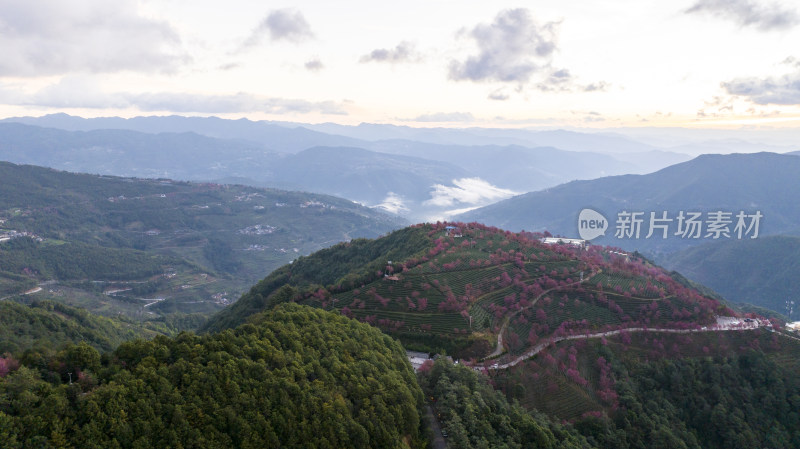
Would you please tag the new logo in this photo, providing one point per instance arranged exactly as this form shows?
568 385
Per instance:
591 224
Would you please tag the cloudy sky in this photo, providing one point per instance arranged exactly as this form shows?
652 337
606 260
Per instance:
582 63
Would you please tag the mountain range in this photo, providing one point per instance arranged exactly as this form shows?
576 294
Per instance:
472 167
764 182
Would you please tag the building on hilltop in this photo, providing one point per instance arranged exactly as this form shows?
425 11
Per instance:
452 231
580 243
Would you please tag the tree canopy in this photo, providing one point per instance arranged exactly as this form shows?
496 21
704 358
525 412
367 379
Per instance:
292 377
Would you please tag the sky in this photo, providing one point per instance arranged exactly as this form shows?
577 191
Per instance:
454 63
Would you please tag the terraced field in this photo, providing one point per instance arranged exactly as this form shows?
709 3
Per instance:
454 290
636 286
558 396
460 287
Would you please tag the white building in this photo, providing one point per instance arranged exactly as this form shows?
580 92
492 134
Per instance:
580 243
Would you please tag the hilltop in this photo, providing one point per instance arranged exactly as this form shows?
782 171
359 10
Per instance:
561 345
456 287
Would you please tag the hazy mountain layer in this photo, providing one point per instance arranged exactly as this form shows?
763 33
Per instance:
764 182
763 272
426 179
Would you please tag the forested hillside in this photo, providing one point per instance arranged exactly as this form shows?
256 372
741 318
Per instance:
144 247
46 326
761 271
292 377
622 352
352 263
735 389
474 415
559 346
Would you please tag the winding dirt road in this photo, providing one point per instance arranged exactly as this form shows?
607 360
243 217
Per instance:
499 348
723 324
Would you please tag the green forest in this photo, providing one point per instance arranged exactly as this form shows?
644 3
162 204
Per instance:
741 401
45 326
291 377
474 415
75 261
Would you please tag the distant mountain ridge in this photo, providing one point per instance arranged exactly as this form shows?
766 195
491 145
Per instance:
292 137
278 138
738 182
531 168
419 180
186 156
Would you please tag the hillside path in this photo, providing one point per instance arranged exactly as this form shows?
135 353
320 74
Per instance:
723 324
499 348
438 440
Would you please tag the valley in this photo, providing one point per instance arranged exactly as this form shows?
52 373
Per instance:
146 248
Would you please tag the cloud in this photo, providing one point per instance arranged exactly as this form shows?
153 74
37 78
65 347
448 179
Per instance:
393 203
600 86
558 80
229 103
467 191
528 121
783 90
51 37
229 66
443 117
511 49
498 95
282 25
75 92
403 52
792 62
748 13
314 65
